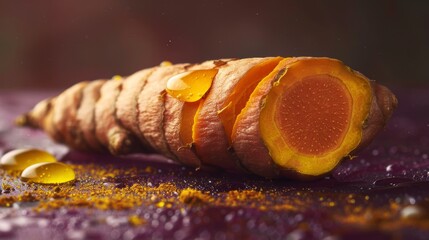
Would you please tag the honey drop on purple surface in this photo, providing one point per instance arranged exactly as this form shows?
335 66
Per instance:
19 159
48 173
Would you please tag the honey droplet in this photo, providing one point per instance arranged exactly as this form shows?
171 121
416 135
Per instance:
20 159
117 77
165 64
191 86
48 173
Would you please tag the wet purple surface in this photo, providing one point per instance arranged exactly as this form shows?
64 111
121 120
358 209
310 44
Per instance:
392 171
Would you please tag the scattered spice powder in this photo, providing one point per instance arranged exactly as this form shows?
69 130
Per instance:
136 220
194 197
7 201
107 187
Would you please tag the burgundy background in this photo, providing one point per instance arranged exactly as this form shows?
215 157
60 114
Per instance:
52 44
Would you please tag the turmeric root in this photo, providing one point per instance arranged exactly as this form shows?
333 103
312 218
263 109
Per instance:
274 117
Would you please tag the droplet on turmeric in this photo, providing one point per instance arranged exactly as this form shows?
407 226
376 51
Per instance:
165 64
20 159
191 86
117 77
48 173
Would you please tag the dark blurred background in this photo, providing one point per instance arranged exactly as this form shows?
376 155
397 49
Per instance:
53 44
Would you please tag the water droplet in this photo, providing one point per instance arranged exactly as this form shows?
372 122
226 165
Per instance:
229 217
165 64
411 200
392 181
116 221
412 212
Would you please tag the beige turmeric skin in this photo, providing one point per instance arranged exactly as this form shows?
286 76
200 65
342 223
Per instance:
274 117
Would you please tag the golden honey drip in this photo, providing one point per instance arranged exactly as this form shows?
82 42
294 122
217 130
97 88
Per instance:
20 159
191 86
165 64
117 77
48 173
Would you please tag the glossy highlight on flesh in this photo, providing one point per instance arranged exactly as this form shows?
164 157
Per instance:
314 114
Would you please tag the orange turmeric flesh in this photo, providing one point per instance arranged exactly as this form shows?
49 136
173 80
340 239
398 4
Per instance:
314 114
188 114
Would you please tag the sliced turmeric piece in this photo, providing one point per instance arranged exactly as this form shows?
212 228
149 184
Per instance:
317 110
310 113
180 114
274 117
151 107
209 135
178 117
240 94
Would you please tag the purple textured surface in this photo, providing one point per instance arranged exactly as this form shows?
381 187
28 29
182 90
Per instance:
394 169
